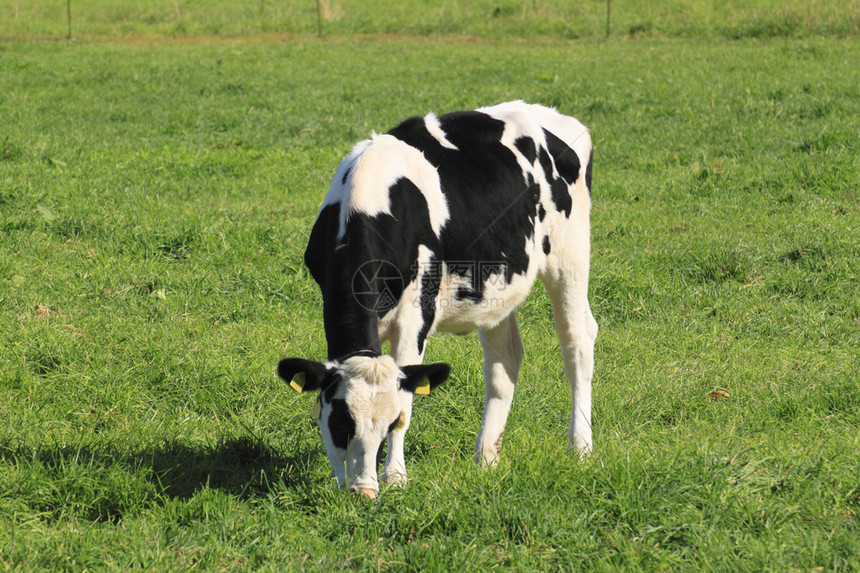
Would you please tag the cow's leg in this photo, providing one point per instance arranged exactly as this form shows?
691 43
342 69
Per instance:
404 350
577 331
394 469
407 333
503 354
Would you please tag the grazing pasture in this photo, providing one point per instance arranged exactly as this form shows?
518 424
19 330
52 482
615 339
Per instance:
155 200
499 19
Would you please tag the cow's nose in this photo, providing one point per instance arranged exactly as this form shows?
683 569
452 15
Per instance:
371 493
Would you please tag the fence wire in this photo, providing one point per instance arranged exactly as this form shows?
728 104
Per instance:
529 19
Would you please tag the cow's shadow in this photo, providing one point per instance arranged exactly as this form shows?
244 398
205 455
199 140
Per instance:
239 466
175 469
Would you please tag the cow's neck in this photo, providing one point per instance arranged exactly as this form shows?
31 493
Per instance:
349 327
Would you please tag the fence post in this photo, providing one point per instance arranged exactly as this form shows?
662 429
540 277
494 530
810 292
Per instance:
319 20
607 17
69 18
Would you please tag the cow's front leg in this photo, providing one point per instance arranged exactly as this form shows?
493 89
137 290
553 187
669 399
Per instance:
503 354
404 349
394 470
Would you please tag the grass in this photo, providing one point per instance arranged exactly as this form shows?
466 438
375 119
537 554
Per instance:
155 200
498 19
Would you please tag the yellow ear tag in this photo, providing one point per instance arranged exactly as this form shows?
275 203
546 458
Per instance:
298 381
316 410
423 387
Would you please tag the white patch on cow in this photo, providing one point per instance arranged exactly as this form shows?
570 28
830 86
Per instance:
530 119
435 129
566 128
517 124
499 299
380 373
381 164
338 190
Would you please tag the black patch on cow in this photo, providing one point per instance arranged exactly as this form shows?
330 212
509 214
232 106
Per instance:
566 163
566 160
469 129
534 188
414 132
340 424
321 242
492 207
557 193
526 146
546 245
430 281
561 196
588 171
329 391
382 241
558 187
467 293
541 212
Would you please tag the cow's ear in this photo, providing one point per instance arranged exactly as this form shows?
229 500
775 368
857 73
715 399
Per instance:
303 375
421 379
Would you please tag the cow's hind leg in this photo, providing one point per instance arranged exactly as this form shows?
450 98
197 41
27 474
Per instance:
503 354
577 331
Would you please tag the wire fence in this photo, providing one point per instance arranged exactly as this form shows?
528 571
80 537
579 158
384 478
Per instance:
530 19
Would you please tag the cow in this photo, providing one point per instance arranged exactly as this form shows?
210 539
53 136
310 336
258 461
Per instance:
443 224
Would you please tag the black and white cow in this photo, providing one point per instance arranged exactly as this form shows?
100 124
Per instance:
444 223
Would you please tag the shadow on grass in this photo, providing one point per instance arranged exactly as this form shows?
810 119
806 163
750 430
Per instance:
97 480
241 467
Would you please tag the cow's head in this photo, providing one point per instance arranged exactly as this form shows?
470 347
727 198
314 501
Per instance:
360 402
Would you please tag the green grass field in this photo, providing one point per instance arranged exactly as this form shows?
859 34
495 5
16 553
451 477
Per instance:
500 19
155 199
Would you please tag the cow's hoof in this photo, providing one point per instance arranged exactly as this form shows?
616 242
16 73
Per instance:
394 478
371 493
581 451
487 459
